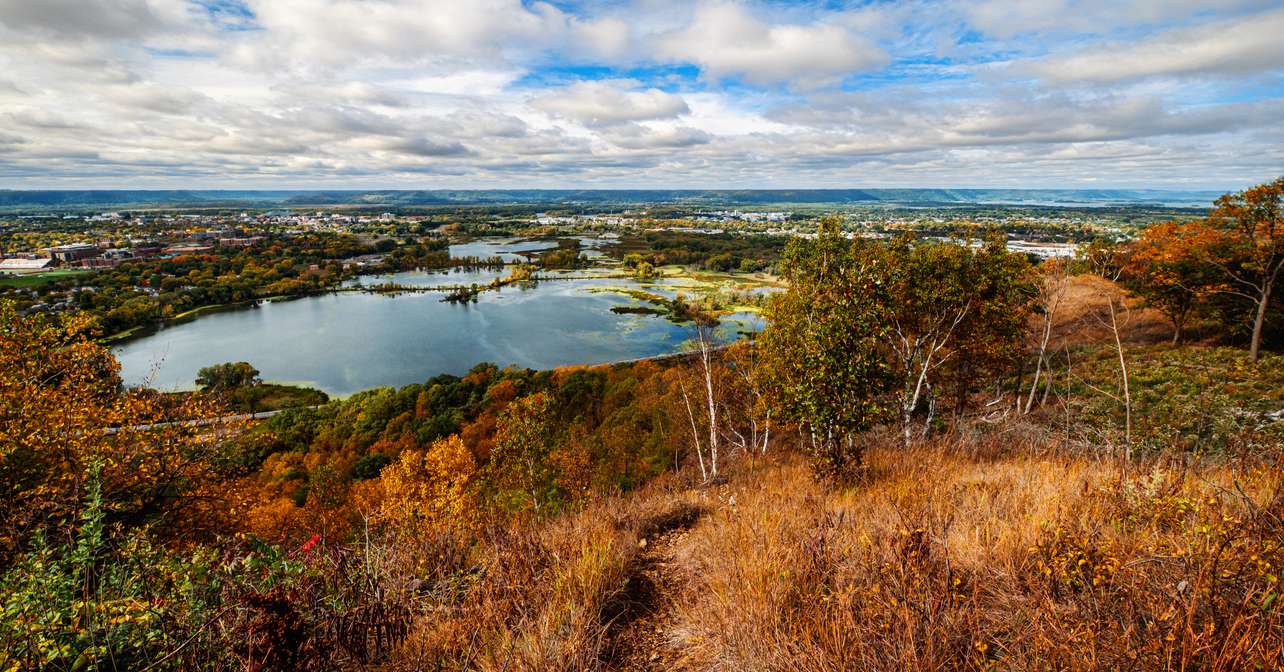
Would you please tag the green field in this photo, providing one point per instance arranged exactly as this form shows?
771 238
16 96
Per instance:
35 279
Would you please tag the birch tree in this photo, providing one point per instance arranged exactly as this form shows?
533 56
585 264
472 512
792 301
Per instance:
821 346
946 303
1051 291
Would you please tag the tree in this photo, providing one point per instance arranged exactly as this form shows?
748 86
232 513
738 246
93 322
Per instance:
926 300
1102 257
989 340
1251 252
748 417
227 377
821 345
707 356
1050 291
1164 268
523 440
943 303
62 408
431 491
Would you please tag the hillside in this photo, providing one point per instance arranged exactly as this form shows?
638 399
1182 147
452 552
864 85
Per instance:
10 199
935 456
979 551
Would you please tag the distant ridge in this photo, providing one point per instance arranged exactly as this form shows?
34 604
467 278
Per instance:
11 200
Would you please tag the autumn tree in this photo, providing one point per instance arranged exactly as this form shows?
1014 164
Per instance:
821 345
1164 268
1250 254
62 408
430 492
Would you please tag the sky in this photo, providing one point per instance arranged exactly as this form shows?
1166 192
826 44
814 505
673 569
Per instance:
490 94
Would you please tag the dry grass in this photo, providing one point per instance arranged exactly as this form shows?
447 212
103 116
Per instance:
991 552
950 559
542 593
1075 324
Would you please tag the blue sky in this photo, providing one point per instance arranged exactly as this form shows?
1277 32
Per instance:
639 93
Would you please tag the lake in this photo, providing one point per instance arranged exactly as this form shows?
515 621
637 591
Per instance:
351 341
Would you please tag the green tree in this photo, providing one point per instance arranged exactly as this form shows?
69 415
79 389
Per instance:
523 440
227 377
944 304
821 348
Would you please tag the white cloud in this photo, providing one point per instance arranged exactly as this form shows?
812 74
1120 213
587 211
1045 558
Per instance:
1006 18
726 40
334 33
602 103
609 37
1245 45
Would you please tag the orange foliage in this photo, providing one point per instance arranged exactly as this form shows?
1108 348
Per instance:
63 410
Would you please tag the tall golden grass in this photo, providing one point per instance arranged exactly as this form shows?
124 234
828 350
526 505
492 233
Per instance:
542 593
969 554
988 552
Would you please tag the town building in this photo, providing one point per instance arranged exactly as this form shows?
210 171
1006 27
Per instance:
73 252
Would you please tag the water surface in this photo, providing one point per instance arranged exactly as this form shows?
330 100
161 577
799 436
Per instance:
351 341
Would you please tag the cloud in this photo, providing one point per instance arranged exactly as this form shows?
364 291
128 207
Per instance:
636 136
609 37
336 32
424 147
1005 18
111 19
603 103
153 97
382 93
1246 45
725 40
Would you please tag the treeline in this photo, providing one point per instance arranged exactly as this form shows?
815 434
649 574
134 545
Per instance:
716 252
138 293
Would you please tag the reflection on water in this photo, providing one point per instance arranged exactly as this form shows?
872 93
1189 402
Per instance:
351 341
508 250
433 278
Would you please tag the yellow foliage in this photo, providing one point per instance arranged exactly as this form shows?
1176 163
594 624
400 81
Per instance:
269 519
431 491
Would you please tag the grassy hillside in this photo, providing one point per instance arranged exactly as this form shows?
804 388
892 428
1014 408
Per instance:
994 550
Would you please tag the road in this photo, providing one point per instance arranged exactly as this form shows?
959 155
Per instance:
203 422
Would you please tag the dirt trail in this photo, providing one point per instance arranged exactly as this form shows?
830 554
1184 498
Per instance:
640 619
